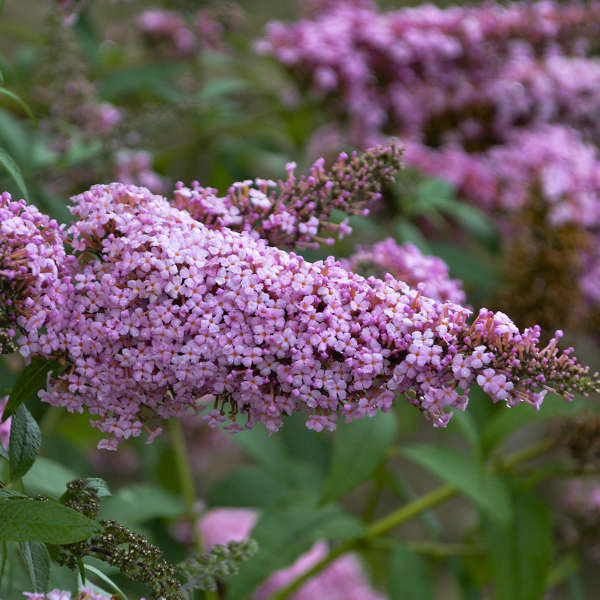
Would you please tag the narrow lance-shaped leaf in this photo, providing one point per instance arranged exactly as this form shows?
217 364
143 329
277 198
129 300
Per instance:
36 559
19 101
14 171
25 443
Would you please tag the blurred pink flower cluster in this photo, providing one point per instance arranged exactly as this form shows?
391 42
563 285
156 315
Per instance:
428 274
176 37
4 427
553 163
395 72
344 579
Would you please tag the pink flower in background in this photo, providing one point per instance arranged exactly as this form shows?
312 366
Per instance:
344 579
168 31
4 427
135 167
224 525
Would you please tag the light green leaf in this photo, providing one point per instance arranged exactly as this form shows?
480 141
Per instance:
19 101
100 486
106 579
25 443
36 561
410 578
14 171
25 520
358 448
468 474
140 502
30 382
48 477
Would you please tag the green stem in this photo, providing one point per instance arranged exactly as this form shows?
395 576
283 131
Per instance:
527 453
188 490
407 512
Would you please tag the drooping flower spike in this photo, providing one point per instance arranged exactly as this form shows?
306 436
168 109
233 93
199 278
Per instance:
161 314
297 212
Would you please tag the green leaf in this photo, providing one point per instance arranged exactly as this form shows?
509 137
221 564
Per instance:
105 578
48 477
358 448
19 101
506 422
14 171
222 87
140 502
30 382
247 486
10 493
521 553
25 443
410 578
468 474
282 536
36 560
464 424
268 450
49 522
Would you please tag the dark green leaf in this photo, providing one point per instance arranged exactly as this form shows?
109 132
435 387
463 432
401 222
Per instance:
358 448
19 101
409 576
30 382
284 535
9 493
521 553
247 486
468 474
266 449
14 171
36 560
25 443
48 522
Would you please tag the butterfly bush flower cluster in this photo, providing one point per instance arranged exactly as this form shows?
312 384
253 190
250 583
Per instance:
344 579
164 315
33 288
297 212
429 274
392 71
